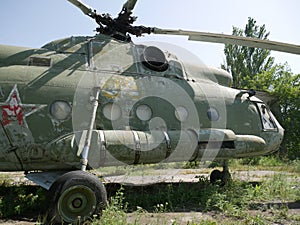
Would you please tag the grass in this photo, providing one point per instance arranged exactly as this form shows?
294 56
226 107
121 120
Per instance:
270 163
241 202
266 163
20 200
238 203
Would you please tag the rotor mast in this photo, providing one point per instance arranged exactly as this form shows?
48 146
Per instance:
119 27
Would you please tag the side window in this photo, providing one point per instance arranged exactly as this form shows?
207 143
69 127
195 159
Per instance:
266 117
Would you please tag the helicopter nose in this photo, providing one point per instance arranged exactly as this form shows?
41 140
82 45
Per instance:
277 138
273 137
280 133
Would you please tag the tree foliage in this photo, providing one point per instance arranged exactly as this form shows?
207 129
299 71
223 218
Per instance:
254 68
285 87
245 63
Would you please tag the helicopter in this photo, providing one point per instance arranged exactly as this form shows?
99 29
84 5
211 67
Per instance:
82 103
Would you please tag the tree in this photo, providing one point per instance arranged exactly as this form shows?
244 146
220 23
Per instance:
253 68
245 63
285 87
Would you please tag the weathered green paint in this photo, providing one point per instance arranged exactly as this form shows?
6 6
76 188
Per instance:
45 143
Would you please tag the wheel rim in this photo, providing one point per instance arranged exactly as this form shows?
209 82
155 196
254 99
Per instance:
77 203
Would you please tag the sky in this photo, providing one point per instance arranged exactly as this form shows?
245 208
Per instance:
33 23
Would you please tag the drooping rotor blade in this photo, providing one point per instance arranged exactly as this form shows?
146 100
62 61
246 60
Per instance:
234 40
129 5
87 10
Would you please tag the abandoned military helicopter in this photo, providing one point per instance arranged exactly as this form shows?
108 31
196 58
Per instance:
88 102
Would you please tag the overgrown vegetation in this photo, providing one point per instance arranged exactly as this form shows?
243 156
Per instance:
19 200
272 162
269 200
241 202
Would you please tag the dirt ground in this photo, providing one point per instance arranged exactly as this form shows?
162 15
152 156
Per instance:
180 175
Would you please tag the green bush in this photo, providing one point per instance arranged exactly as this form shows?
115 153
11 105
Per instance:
20 200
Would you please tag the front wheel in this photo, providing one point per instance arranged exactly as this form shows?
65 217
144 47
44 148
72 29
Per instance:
75 197
216 175
223 177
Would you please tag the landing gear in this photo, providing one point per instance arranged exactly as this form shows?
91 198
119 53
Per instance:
223 177
75 197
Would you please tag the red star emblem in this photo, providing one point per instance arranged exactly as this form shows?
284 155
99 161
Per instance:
13 110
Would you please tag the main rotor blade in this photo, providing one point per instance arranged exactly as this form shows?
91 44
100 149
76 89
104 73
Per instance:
233 40
87 10
129 5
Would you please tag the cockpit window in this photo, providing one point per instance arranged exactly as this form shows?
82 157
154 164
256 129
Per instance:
266 117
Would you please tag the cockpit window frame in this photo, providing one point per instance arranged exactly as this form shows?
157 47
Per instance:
268 118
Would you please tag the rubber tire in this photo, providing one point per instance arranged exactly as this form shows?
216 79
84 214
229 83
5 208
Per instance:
75 197
223 178
215 176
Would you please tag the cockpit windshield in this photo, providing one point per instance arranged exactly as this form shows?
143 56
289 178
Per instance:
267 118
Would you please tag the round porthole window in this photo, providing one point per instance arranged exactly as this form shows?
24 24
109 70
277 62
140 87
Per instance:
212 114
60 110
144 112
181 113
112 111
